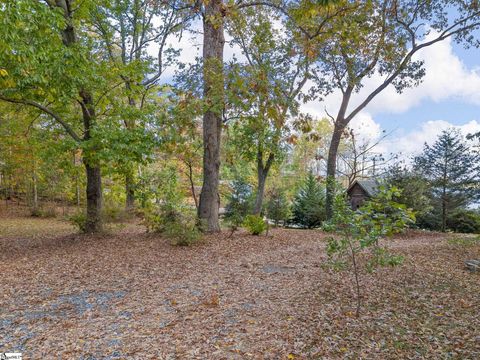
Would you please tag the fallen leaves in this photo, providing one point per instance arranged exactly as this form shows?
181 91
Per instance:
132 295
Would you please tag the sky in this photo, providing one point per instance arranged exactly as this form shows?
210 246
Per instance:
449 96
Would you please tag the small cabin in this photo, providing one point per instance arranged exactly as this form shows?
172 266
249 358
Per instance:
360 191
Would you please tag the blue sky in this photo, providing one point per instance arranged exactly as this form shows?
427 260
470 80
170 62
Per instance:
449 96
455 109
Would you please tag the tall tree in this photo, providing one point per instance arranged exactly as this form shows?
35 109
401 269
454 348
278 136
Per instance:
68 80
213 85
47 47
264 90
128 31
214 13
380 37
452 169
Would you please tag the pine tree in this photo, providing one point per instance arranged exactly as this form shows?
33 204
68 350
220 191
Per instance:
278 208
239 202
452 169
309 204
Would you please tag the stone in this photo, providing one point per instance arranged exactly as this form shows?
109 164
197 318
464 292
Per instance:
473 265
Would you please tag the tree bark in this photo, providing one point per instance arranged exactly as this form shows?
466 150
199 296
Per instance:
93 222
129 192
35 189
262 173
213 43
332 166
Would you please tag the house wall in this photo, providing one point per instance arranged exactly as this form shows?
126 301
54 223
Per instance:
357 196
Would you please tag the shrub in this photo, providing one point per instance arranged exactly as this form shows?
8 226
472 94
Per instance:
464 221
239 203
361 231
172 218
114 213
176 223
255 224
183 233
277 206
309 204
79 220
48 211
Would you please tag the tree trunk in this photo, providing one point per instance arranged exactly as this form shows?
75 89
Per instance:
93 222
444 213
332 167
262 173
213 43
94 199
129 192
35 190
262 177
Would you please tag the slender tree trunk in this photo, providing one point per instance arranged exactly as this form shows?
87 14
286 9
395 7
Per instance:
35 190
129 192
129 177
94 198
262 173
332 167
213 43
192 183
77 190
444 208
444 215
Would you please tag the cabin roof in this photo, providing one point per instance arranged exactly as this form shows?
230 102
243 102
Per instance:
369 186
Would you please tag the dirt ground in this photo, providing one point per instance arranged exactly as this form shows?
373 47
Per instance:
131 295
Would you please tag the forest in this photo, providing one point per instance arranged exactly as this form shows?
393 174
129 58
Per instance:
167 192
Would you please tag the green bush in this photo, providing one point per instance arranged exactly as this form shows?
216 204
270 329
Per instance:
255 224
176 223
79 220
114 213
183 233
239 203
46 211
464 221
309 204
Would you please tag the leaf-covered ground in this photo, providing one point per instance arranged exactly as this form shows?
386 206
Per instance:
130 295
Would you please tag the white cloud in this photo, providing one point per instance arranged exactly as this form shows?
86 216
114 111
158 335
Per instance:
447 77
365 128
411 143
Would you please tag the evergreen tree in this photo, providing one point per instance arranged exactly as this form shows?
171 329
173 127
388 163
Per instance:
239 202
452 169
415 189
277 206
309 204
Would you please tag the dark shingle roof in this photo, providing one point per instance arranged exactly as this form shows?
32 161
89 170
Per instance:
370 186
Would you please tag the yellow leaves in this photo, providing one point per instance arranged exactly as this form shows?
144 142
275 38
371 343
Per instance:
6 82
290 356
350 314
